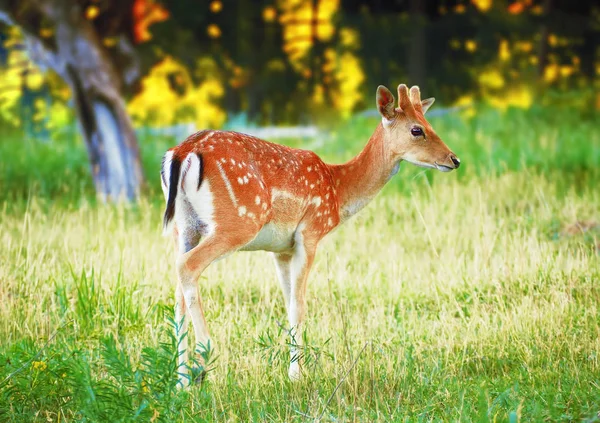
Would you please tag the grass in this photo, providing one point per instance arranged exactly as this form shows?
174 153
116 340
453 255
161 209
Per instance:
470 296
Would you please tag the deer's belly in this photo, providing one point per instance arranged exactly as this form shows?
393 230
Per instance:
272 237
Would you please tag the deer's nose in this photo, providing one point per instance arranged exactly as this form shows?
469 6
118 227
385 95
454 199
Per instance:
455 160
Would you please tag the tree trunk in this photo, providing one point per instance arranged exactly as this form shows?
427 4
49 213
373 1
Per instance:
77 55
417 65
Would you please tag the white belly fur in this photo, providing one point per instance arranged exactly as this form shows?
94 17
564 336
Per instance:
272 238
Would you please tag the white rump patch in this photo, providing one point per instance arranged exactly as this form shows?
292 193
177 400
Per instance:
166 173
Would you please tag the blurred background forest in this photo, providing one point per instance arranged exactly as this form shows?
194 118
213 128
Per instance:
469 296
105 67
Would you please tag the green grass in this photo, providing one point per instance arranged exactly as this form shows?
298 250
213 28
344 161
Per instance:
470 296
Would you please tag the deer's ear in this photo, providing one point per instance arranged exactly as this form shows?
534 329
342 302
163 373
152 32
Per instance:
385 103
427 103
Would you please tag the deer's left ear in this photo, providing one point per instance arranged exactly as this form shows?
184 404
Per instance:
427 103
385 103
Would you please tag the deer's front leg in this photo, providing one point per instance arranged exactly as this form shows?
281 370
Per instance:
299 268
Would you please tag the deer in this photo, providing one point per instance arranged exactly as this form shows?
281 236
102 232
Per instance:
226 192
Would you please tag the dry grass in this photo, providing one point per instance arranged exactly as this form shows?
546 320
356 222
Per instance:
471 300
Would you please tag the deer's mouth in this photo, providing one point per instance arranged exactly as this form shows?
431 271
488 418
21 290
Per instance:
444 168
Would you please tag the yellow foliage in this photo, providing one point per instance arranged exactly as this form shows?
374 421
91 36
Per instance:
11 82
92 12
470 46
59 115
566 71
318 97
296 18
466 103
503 51
325 28
46 32
213 31
34 80
537 10
269 14
160 105
524 46
482 5
216 6
518 96
460 8
349 76
39 365
551 72
110 41
491 78
349 38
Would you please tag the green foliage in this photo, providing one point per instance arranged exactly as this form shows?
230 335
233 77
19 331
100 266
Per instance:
66 382
469 296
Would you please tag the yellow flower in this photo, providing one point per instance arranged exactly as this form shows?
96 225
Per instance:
39 365
470 46
92 12
269 14
482 5
503 51
213 31
491 79
551 73
216 6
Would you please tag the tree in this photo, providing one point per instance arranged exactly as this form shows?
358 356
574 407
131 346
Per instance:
96 59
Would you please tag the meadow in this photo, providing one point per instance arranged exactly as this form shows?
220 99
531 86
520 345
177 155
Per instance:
468 296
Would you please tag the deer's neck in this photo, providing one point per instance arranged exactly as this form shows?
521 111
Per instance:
360 179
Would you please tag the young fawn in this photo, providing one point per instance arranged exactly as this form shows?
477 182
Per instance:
227 191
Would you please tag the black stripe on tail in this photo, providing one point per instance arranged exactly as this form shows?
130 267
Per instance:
173 182
173 179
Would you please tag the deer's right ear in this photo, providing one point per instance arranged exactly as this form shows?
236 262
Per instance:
385 103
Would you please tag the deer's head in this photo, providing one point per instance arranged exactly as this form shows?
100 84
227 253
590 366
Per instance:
410 137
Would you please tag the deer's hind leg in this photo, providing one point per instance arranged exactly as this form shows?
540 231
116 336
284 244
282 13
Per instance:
225 238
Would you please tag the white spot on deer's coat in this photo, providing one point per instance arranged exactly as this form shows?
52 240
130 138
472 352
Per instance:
316 201
257 200
242 210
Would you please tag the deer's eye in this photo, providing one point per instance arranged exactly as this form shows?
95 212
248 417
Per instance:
416 131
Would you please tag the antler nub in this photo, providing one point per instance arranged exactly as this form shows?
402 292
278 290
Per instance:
415 98
403 100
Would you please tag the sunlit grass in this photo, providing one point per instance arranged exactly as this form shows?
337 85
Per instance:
463 296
